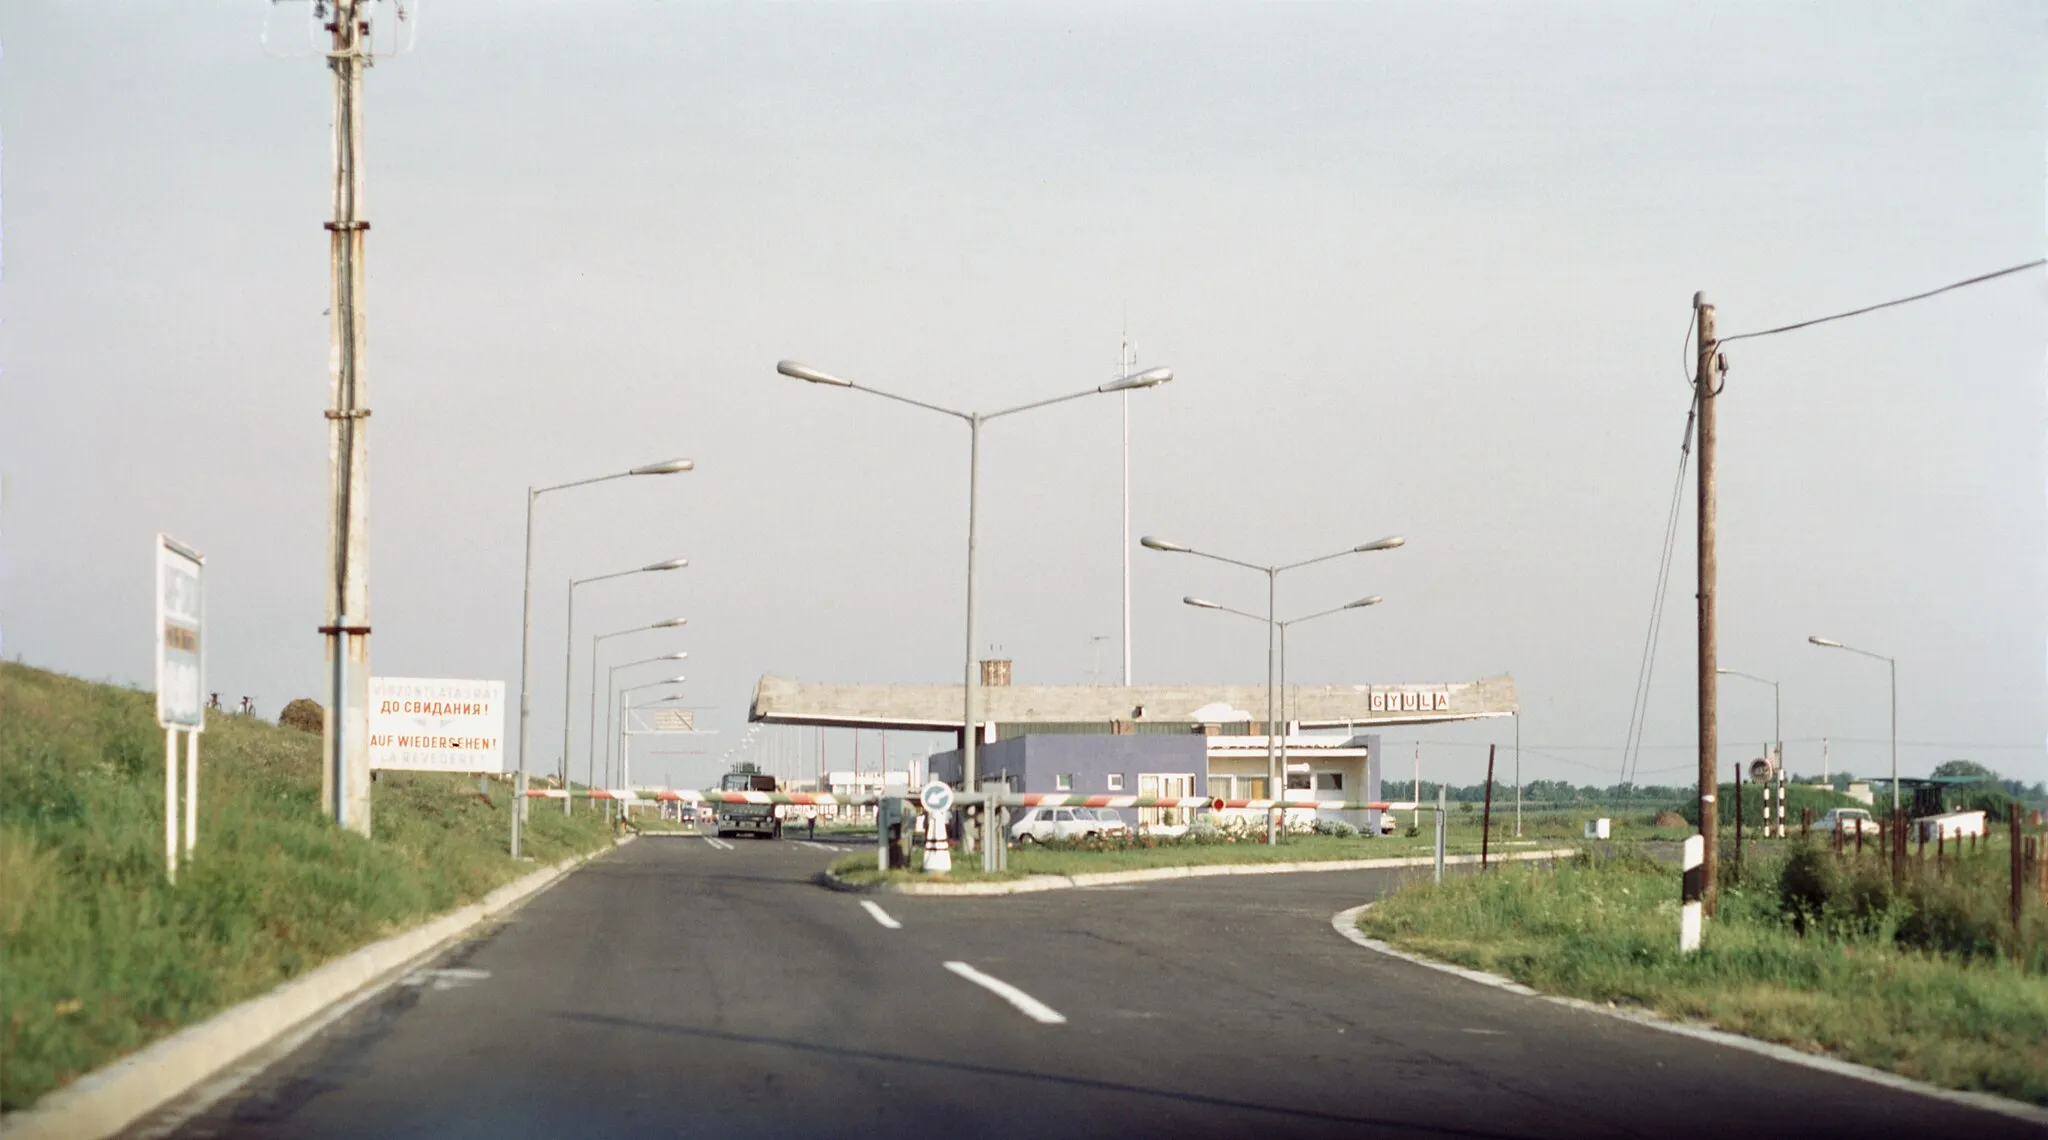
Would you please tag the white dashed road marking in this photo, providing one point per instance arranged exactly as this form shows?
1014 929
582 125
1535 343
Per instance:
1030 1006
721 844
880 915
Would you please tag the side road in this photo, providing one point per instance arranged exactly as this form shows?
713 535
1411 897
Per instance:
104 1102
1032 884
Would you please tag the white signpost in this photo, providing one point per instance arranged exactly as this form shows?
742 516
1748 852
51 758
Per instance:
937 800
180 683
428 724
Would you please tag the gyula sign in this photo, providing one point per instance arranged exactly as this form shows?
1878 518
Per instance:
180 682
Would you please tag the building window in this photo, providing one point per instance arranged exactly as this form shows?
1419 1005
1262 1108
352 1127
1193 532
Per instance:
1329 781
1116 781
1297 782
1064 782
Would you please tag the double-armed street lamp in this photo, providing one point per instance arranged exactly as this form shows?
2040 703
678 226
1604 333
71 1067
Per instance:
1361 603
969 728
665 467
1893 663
1276 779
569 655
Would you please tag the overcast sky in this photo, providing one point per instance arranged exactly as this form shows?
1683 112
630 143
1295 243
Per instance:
1421 269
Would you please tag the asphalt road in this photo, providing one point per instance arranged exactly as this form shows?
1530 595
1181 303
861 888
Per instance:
680 988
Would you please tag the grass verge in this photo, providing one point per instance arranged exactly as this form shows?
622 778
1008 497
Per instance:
1609 933
99 956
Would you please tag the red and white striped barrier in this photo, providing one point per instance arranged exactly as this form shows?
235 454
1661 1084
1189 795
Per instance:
1029 799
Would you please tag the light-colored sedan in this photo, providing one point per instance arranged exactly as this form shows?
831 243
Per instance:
1852 820
1043 824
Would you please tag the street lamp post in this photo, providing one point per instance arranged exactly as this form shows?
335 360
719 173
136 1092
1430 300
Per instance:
590 737
1149 378
1361 603
590 746
625 779
1276 780
613 700
1777 736
666 467
1894 665
569 655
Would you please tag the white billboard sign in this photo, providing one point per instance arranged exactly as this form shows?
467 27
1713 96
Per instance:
180 618
436 725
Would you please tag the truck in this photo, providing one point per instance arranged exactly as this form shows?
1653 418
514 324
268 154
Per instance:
749 819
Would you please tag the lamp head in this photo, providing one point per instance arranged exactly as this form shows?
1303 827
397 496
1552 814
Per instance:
1826 642
671 564
1371 601
1200 604
1150 378
665 467
1387 543
1151 543
669 623
797 371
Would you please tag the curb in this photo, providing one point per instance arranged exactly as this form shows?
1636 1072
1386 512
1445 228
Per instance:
1346 923
1034 883
111 1098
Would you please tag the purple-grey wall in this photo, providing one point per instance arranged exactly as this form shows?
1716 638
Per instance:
1033 763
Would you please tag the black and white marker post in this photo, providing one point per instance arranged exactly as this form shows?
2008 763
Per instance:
1695 886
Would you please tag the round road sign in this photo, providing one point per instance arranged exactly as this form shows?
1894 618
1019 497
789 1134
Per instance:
936 797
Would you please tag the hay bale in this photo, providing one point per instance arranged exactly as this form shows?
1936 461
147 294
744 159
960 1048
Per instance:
1668 819
304 715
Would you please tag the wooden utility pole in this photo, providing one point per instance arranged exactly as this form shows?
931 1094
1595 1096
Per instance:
1704 385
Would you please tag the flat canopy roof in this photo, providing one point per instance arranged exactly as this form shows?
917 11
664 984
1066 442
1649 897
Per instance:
936 708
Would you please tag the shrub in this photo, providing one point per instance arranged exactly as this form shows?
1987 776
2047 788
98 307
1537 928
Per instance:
1808 884
1949 918
304 715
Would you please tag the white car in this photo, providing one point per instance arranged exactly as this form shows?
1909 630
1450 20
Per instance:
1852 820
1043 824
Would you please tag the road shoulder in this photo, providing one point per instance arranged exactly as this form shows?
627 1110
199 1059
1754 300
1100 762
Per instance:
103 1102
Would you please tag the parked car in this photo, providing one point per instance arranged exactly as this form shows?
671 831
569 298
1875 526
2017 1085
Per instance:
1043 824
1112 821
1852 820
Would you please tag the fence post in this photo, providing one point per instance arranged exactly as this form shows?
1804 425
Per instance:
1486 816
1693 886
1898 843
2014 816
1738 821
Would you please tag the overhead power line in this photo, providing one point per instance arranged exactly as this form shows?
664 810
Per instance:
1977 280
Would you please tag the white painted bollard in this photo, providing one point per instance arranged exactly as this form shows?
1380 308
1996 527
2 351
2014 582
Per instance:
938 856
1689 917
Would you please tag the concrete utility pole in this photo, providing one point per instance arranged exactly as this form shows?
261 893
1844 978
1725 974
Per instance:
345 774
1705 387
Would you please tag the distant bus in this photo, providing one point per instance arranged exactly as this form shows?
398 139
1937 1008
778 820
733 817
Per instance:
749 819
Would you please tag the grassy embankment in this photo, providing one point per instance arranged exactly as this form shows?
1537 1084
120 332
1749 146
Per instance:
100 956
1928 982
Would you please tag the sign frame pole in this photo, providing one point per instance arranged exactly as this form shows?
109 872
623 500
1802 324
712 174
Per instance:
180 641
